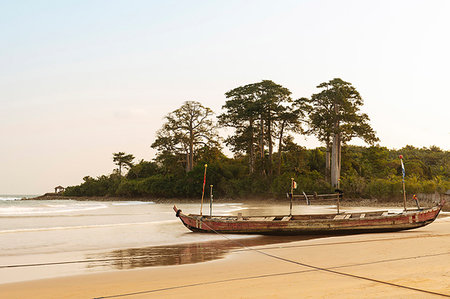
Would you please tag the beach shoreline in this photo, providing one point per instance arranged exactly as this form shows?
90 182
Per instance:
411 264
346 202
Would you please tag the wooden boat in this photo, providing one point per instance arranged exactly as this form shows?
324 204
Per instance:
337 223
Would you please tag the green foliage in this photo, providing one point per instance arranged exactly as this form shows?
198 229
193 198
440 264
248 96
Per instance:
142 170
335 119
261 115
123 161
336 110
385 188
101 186
187 129
316 160
369 172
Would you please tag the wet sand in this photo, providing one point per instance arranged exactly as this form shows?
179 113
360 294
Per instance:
413 264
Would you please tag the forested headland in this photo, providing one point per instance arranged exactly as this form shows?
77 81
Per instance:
264 119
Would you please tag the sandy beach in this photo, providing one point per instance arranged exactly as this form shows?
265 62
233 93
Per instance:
408 264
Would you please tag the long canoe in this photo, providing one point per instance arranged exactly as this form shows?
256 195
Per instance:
341 223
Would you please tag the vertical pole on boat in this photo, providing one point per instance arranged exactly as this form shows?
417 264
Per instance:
203 192
338 202
210 201
306 197
403 181
292 195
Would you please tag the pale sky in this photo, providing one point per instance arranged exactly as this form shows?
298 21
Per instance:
80 80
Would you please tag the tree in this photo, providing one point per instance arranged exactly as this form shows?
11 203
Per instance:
123 160
255 111
187 129
320 125
290 119
241 113
336 118
143 169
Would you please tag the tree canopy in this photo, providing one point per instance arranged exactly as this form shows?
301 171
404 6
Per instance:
335 118
185 131
260 113
123 161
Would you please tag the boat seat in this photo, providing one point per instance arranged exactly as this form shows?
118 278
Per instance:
348 216
385 213
362 215
259 218
339 216
287 218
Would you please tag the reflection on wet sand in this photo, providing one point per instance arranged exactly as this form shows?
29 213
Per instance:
182 253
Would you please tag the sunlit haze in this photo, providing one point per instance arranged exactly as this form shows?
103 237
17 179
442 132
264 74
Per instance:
80 80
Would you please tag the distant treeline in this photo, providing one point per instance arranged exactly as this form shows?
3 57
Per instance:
368 172
264 119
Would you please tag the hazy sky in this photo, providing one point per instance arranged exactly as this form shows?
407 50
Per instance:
80 80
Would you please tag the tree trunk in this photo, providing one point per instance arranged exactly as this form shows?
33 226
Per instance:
252 149
187 162
339 162
334 161
269 138
191 154
280 144
335 173
261 143
327 161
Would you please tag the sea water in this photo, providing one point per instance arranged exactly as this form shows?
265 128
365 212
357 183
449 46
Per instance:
50 238
41 226
49 231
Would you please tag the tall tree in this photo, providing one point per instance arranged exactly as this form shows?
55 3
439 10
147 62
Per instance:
321 125
187 129
242 113
290 119
274 113
337 118
254 112
123 161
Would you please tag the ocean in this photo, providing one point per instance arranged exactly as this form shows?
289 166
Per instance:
44 239
40 226
49 238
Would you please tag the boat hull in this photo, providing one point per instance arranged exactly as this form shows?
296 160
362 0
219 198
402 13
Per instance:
326 224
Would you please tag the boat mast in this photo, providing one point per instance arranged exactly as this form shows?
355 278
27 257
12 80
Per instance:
292 195
210 201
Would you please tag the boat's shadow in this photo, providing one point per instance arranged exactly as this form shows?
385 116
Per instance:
188 253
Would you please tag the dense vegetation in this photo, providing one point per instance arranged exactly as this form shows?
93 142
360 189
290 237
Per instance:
373 172
264 119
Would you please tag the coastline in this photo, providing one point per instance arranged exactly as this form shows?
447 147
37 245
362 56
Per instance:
411 264
346 202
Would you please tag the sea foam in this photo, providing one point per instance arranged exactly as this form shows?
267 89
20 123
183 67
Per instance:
22 210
